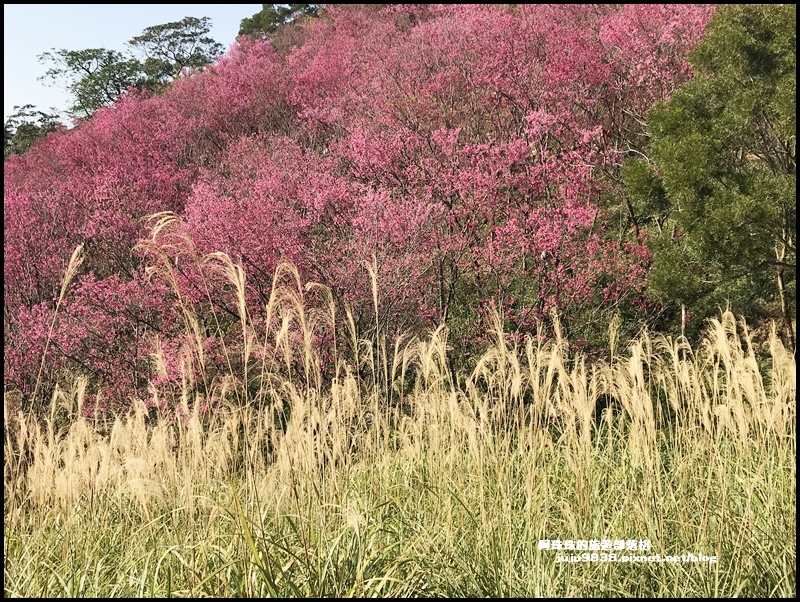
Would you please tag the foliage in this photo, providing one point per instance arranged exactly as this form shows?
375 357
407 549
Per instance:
96 77
172 47
272 16
722 181
24 127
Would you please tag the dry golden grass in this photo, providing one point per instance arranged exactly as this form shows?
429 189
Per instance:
412 480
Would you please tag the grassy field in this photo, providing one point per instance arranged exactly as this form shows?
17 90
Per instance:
399 478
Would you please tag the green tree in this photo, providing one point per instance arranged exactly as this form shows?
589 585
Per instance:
172 47
719 185
94 76
272 16
24 127
97 76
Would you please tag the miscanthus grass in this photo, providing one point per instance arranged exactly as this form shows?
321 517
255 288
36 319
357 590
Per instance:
401 478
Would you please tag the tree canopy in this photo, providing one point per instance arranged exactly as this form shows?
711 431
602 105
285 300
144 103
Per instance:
172 47
26 126
721 180
94 76
272 16
97 76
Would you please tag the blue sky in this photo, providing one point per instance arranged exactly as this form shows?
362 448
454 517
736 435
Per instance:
31 29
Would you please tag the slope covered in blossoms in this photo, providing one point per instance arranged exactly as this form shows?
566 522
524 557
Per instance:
468 155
